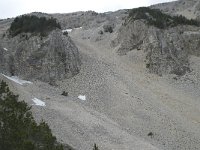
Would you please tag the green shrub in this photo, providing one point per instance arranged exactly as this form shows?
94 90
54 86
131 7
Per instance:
18 129
159 19
95 147
3 35
65 33
32 24
108 28
147 65
64 93
150 134
100 32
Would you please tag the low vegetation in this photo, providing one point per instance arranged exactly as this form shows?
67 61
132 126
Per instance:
64 93
150 134
65 33
100 32
18 129
33 24
95 147
159 19
108 28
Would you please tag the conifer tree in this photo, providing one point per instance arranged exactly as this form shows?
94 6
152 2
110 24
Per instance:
18 129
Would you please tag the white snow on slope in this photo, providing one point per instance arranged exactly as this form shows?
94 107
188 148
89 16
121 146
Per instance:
82 97
5 49
17 80
78 28
38 102
68 30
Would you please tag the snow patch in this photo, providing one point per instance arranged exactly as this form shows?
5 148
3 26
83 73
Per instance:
5 49
17 80
78 28
191 32
68 30
38 102
82 97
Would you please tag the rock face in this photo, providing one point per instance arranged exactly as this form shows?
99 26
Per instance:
45 58
167 50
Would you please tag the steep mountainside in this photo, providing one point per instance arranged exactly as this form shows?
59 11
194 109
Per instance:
187 8
124 107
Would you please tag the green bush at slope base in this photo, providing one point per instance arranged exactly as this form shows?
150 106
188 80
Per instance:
18 130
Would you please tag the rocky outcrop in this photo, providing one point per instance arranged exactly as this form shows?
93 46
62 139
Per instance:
131 36
47 58
167 50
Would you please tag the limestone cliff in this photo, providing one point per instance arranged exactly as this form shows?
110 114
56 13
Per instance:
47 58
167 49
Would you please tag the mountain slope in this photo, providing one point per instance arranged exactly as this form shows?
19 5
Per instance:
187 8
126 107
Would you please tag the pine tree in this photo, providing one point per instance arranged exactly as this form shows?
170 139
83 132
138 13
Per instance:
33 24
159 19
18 129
